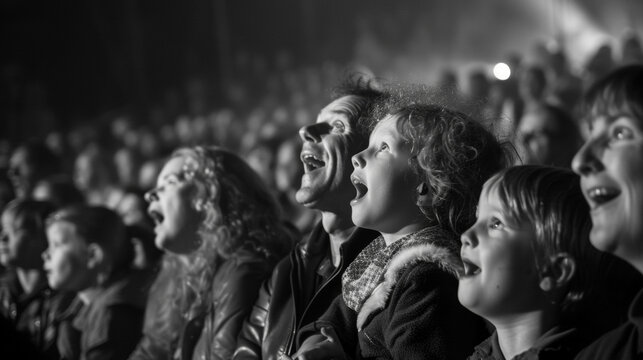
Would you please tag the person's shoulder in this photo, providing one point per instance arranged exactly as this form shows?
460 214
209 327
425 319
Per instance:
619 343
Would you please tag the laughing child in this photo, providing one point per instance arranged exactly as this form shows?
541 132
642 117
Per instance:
89 253
417 183
529 266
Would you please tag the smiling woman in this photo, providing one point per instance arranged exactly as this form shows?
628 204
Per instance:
611 168
223 233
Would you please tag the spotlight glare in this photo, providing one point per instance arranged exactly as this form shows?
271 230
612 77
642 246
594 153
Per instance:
501 71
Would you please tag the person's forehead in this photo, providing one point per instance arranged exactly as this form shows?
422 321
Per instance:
345 105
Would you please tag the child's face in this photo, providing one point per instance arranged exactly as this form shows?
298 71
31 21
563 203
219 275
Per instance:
500 276
19 247
66 258
611 168
385 184
172 208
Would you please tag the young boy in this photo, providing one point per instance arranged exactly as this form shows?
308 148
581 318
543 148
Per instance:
416 184
528 266
28 307
89 253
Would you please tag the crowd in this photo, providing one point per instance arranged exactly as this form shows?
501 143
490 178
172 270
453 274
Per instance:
407 221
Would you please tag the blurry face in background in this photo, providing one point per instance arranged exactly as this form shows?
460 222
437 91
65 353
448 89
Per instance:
19 247
326 155
66 258
537 136
22 174
171 206
288 168
84 172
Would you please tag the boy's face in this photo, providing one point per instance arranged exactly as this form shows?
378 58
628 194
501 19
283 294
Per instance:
386 186
500 276
66 258
172 208
19 247
611 168
326 155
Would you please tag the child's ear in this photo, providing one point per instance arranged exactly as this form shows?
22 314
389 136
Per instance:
95 256
558 273
423 194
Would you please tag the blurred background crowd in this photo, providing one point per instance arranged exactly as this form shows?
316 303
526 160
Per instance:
111 88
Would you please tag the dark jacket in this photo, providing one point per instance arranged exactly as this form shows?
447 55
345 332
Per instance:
111 325
413 314
624 342
289 300
555 344
31 318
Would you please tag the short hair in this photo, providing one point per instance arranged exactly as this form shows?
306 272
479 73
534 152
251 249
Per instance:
550 198
102 226
622 89
368 91
454 155
30 214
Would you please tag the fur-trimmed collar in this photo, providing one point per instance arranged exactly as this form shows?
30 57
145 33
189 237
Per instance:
444 257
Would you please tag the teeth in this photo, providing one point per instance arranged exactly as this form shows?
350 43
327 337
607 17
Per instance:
311 162
602 194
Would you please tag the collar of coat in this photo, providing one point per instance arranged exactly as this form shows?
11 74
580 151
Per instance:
447 258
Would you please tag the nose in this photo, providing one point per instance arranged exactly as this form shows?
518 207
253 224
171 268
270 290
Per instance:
586 160
313 132
358 160
468 238
151 195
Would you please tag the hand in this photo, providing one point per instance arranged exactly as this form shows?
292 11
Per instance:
318 347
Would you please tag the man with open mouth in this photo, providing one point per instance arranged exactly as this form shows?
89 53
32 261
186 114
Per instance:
304 284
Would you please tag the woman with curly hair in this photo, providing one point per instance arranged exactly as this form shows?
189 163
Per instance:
222 231
417 184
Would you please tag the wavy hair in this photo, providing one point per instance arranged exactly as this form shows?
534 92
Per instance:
239 214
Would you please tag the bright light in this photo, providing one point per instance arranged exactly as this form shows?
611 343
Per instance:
501 71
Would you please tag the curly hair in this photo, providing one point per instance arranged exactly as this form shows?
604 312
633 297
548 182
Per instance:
450 152
238 213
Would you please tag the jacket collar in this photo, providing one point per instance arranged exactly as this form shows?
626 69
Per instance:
437 250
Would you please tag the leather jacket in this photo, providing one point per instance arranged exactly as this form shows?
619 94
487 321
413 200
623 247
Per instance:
288 301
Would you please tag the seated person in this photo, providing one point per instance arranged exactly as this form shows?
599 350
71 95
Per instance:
529 268
28 307
89 253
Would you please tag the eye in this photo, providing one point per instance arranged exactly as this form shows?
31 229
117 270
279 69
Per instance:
339 126
384 146
495 223
621 133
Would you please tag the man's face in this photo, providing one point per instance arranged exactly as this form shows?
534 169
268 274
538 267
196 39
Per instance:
326 154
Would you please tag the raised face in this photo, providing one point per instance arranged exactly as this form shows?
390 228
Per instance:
611 168
500 278
326 155
172 207
386 197
19 247
66 258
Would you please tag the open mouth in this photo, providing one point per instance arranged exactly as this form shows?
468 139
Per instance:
311 162
470 269
156 216
360 187
601 195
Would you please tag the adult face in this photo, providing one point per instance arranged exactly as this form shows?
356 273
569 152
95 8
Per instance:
537 136
611 168
326 155
172 207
